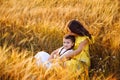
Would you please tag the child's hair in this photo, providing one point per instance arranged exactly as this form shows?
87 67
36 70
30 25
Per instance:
71 37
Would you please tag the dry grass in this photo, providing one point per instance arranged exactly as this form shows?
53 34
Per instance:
17 65
35 25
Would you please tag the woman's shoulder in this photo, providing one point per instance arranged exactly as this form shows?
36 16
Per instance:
81 38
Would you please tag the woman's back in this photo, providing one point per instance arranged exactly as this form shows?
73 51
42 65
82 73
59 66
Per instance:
84 55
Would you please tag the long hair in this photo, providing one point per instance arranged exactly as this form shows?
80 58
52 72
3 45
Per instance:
77 28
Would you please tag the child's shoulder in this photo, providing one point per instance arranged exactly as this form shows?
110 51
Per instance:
70 50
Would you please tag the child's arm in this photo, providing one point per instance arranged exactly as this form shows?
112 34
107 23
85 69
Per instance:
54 53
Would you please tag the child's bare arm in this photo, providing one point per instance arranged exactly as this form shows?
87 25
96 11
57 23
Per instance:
54 53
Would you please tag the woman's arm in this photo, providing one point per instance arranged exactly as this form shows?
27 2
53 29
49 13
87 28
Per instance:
77 51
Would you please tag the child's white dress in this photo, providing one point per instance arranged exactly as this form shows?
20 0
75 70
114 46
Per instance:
42 57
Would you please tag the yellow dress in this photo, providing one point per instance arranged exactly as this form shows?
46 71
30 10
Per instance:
82 60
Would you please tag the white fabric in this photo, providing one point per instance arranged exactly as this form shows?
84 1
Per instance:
42 58
64 51
61 52
67 52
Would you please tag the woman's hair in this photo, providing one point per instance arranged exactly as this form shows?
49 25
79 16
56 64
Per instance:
71 37
77 28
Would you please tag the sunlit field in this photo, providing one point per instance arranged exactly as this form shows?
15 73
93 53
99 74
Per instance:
29 26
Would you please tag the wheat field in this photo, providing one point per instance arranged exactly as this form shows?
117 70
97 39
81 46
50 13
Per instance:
29 26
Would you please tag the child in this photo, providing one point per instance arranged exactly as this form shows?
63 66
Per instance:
68 44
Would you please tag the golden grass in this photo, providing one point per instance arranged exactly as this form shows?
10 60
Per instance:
21 65
35 25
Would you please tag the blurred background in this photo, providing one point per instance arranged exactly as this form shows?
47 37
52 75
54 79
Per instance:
29 26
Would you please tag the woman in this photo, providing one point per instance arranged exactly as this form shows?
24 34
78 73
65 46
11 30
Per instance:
79 58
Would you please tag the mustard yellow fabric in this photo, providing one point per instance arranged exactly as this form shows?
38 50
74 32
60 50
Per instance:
80 61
